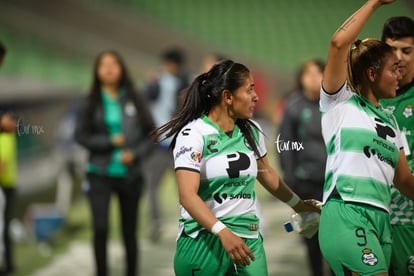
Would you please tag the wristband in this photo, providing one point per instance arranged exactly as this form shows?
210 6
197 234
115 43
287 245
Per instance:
293 201
217 227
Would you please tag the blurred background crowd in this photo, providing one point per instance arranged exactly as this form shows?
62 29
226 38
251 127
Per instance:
51 47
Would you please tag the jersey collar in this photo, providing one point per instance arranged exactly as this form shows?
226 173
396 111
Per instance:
207 120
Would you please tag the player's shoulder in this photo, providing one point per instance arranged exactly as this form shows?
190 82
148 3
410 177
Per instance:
196 127
257 125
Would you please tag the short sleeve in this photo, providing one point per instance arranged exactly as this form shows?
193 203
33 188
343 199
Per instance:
329 101
188 149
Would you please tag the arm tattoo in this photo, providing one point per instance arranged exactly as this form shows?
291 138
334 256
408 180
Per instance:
347 23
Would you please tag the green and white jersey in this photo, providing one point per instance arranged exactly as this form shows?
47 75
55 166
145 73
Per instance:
363 146
402 208
228 170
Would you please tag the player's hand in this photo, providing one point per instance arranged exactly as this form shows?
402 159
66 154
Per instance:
313 202
238 251
309 205
117 140
127 157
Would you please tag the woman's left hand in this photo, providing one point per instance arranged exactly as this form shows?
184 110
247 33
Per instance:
308 205
127 158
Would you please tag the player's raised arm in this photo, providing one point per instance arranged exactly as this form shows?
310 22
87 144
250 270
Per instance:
336 67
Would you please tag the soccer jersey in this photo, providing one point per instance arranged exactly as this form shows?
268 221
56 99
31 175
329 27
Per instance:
402 208
228 170
363 145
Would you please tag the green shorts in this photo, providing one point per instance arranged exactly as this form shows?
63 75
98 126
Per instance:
355 237
402 257
205 255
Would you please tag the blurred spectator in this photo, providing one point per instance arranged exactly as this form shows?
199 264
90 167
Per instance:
7 122
163 94
207 62
8 177
303 166
73 155
113 124
7 180
210 60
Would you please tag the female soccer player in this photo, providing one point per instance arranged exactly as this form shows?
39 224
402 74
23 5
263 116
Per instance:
365 155
219 153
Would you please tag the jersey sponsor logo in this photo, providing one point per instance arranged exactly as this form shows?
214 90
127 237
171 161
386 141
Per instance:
182 151
383 130
372 152
237 162
196 156
368 257
408 111
185 132
236 184
384 145
241 196
219 198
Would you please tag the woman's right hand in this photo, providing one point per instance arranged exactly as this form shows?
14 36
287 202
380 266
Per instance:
236 248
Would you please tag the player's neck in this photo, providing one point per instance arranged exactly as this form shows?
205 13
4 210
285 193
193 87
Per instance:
222 120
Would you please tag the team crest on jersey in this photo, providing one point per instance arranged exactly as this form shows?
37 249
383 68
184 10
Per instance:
368 257
408 111
196 156
254 227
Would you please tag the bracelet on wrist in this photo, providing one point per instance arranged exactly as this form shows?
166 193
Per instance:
217 227
293 201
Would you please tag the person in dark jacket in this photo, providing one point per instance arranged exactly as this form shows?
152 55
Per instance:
162 95
301 147
114 125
